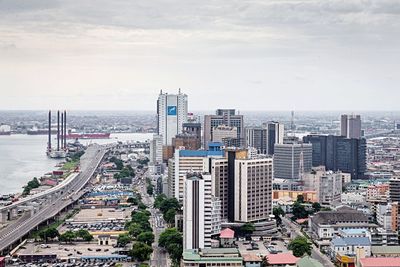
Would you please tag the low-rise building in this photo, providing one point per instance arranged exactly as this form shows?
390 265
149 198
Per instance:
307 261
385 251
229 257
350 246
324 225
282 260
227 238
379 262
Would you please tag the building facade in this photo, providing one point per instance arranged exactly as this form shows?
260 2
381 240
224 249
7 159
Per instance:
156 150
172 110
292 160
226 117
350 126
253 189
339 153
327 184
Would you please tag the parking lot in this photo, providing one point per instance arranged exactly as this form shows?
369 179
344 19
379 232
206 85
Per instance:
68 251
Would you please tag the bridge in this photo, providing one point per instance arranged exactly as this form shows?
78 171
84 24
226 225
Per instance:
46 205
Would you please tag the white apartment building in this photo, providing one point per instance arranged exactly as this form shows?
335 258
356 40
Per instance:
201 212
156 145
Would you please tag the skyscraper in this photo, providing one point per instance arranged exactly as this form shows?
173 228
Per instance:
292 160
253 189
156 150
172 112
275 135
350 126
226 117
339 153
264 138
201 212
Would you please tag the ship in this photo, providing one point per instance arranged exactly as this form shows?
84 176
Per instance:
41 131
88 135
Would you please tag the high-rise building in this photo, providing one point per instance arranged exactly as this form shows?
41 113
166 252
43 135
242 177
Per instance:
257 137
275 135
253 189
193 128
327 184
201 212
292 160
264 138
172 110
156 150
226 117
184 162
350 126
339 153
223 132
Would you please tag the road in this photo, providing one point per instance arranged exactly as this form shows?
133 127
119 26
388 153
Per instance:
315 252
159 257
89 163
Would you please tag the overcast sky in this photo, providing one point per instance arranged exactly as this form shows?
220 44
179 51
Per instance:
250 55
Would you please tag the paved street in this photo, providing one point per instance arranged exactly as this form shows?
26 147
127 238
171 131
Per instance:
315 253
159 258
89 163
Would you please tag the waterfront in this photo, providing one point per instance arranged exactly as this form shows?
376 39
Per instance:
23 157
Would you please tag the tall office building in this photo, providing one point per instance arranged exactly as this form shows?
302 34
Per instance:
193 128
172 110
156 150
339 153
184 162
223 132
253 189
201 212
292 160
350 126
275 135
226 117
264 138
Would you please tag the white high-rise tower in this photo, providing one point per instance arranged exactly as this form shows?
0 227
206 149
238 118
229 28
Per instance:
172 110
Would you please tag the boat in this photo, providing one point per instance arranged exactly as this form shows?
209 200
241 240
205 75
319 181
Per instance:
5 129
57 154
88 135
41 131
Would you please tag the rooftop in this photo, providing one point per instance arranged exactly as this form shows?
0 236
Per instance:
212 255
351 241
251 257
380 262
342 215
308 262
227 233
385 250
282 258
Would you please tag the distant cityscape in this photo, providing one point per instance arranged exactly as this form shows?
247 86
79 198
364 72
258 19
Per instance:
222 188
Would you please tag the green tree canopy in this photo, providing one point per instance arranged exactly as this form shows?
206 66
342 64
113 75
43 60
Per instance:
49 233
67 237
316 207
300 246
123 240
146 237
169 216
171 239
85 235
141 251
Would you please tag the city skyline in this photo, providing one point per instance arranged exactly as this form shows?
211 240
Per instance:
269 55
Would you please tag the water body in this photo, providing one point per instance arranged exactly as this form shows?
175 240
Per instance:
23 157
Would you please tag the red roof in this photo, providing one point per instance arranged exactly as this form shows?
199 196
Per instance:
227 233
380 262
282 258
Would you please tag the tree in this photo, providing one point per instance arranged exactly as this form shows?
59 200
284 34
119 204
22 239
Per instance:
298 211
146 237
134 229
140 251
67 237
85 235
142 206
247 229
300 246
300 198
170 236
159 199
175 252
123 240
171 239
278 212
49 233
150 189
169 203
316 207
169 216
264 262
133 200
